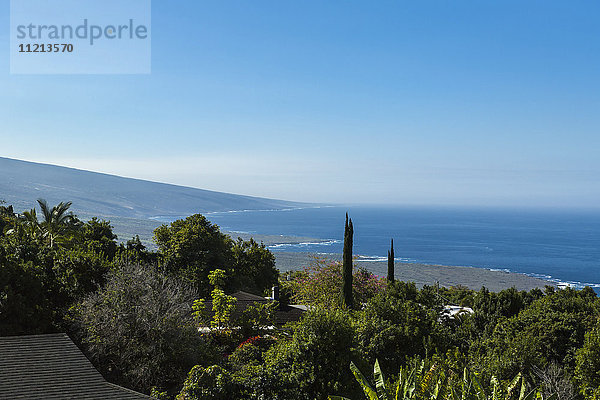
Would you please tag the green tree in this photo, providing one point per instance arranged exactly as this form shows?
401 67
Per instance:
489 307
587 371
24 308
134 252
98 236
57 222
30 224
135 244
222 304
254 267
550 330
192 247
67 272
347 264
308 366
390 271
208 383
305 366
393 326
7 218
75 273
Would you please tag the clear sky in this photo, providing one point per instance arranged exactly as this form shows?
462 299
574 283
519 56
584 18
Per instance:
421 102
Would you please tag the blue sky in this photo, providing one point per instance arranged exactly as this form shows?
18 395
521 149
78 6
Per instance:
428 102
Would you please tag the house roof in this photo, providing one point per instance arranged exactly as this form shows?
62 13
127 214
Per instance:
283 314
249 297
52 367
289 313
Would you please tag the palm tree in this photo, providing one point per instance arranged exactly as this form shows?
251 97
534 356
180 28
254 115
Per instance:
56 222
30 221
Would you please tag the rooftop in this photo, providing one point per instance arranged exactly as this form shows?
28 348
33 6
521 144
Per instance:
52 367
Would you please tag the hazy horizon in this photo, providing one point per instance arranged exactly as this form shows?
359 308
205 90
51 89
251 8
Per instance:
423 205
428 103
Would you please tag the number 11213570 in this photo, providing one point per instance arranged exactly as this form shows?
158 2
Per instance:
46 48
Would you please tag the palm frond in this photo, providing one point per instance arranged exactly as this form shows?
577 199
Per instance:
46 211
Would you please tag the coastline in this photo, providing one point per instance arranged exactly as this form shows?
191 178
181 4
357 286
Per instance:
425 274
421 274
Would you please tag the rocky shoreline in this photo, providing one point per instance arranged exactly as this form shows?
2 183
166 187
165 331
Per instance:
425 274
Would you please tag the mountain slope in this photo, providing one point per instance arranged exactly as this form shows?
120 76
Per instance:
92 193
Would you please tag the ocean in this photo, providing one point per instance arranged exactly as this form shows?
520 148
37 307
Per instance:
561 246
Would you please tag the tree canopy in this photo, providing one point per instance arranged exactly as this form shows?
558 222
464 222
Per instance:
191 248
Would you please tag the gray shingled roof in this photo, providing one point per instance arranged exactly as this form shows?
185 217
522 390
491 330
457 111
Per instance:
52 367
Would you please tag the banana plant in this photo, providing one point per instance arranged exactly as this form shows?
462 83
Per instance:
370 393
433 383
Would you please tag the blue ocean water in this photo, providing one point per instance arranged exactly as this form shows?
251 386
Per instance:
557 245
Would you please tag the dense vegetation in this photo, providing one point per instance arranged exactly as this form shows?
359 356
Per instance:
136 313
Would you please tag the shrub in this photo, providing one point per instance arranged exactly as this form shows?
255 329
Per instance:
308 365
393 327
320 284
587 370
210 383
139 329
551 329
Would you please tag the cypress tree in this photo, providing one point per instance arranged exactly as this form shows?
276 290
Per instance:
347 264
390 275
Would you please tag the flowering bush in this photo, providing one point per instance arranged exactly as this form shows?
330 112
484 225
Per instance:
320 284
252 340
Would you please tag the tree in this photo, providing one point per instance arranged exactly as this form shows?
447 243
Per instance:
551 329
390 272
193 247
210 383
309 365
29 221
134 252
347 264
7 218
135 244
394 326
254 267
98 236
24 308
320 284
222 304
587 371
76 272
305 366
57 222
139 329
